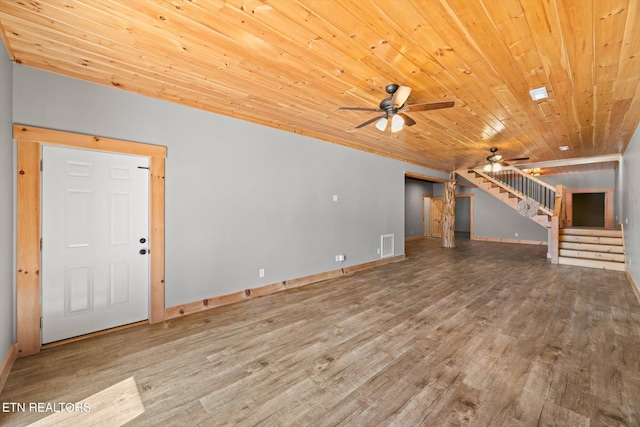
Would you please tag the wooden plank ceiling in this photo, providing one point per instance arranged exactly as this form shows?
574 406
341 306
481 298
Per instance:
291 64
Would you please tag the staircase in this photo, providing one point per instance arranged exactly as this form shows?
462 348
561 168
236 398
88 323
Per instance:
584 247
511 186
592 247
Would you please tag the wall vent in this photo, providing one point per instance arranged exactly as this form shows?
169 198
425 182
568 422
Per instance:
386 245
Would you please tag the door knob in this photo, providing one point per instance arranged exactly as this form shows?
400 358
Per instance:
143 251
142 240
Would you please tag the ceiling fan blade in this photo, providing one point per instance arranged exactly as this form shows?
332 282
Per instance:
368 122
400 96
408 121
429 106
359 109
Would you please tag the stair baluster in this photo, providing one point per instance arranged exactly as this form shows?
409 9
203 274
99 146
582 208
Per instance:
525 185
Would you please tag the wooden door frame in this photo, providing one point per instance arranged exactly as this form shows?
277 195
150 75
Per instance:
609 219
28 222
426 196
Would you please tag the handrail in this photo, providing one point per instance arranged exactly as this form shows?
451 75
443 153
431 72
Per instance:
531 177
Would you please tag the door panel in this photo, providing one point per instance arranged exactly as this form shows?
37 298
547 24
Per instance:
95 210
436 217
426 215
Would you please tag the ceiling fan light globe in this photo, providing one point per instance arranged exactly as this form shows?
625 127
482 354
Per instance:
396 123
496 167
381 125
487 167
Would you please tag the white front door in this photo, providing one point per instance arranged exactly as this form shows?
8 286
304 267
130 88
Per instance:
95 231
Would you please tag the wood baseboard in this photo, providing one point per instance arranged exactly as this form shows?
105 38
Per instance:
634 284
409 239
218 301
7 364
521 242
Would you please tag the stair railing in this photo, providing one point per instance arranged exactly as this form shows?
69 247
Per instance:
525 185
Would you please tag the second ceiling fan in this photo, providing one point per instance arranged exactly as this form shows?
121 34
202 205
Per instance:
394 109
495 161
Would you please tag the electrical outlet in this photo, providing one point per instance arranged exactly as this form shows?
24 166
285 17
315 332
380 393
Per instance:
335 197
378 251
261 272
516 234
339 258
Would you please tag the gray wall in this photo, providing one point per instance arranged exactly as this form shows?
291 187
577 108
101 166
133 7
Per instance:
629 176
493 219
604 179
6 206
239 196
463 214
414 191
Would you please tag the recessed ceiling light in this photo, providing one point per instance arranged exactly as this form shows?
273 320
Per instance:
563 147
539 93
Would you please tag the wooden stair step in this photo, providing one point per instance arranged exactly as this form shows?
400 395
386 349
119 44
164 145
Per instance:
591 239
603 256
601 232
618 249
591 263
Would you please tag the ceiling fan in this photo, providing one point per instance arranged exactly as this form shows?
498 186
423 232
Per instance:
394 109
494 161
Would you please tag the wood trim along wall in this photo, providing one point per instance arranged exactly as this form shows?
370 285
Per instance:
424 177
206 304
28 233
7 364
28 248
608 204
522 242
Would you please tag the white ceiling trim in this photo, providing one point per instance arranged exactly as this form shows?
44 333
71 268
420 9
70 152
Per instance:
572 162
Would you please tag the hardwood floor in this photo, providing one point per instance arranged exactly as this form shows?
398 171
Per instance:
487 334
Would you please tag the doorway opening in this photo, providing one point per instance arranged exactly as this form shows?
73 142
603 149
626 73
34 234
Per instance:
588 210
464 217
590 207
